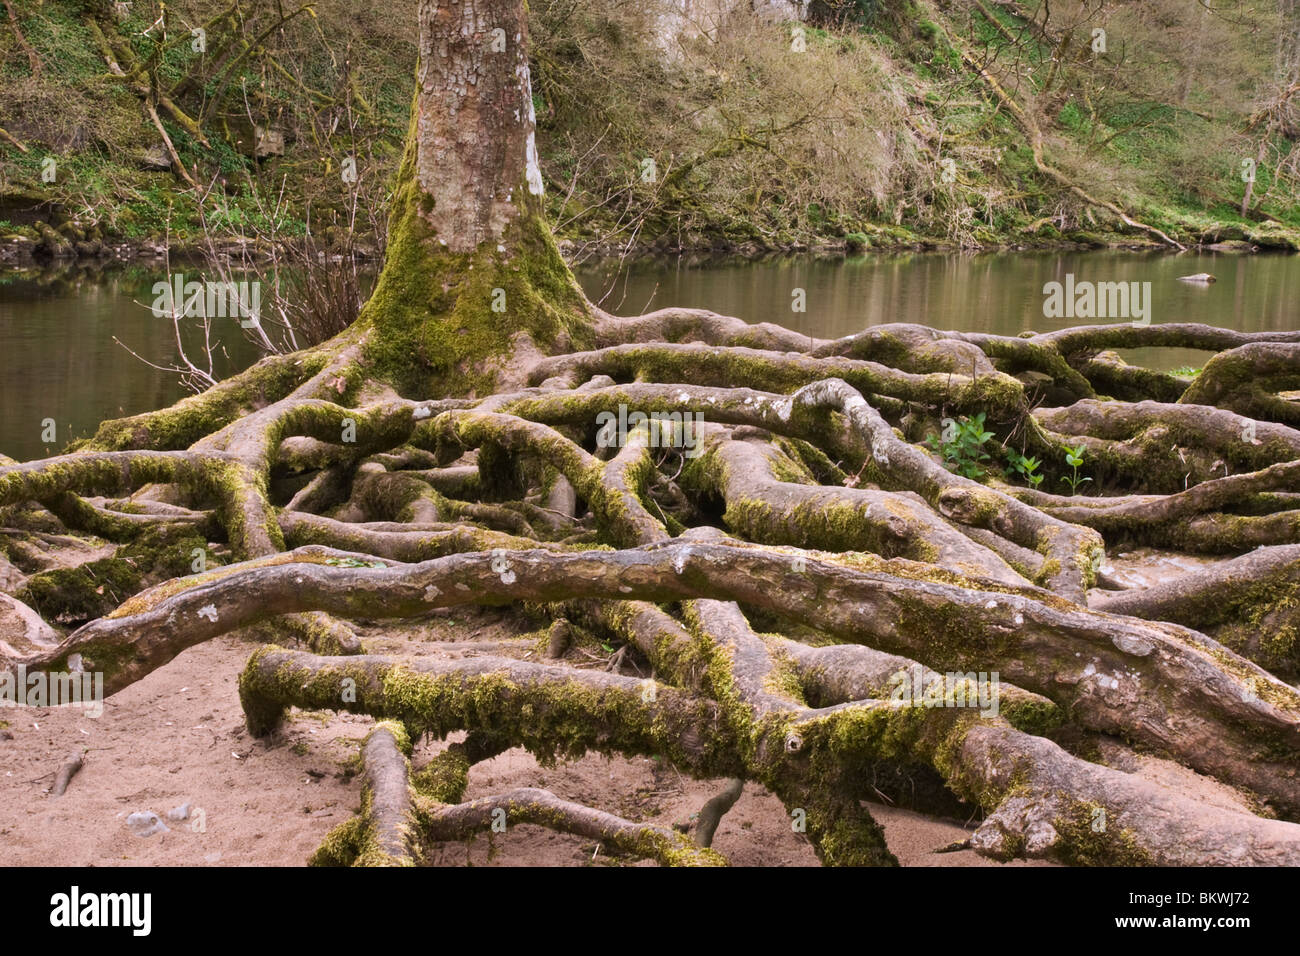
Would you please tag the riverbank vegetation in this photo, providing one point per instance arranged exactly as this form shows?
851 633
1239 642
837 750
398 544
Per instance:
862 125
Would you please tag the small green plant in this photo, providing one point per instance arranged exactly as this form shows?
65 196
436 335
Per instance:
962 445
1025 468
1074 458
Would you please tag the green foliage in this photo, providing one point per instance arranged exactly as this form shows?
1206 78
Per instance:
335 81
962 445
1072 118
737 121
1074 458
1024 468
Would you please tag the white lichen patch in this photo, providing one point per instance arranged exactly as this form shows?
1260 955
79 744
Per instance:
880 451
1136 646
1108 681
533 172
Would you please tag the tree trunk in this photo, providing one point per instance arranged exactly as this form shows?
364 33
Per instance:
471 263
476 158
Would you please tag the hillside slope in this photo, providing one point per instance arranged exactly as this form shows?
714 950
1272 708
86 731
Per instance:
967 123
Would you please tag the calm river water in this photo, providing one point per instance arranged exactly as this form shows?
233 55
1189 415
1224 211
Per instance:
60 356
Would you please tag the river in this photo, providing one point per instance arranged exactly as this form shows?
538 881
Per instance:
64 334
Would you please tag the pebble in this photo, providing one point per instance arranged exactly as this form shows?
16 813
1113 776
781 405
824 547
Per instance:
145 824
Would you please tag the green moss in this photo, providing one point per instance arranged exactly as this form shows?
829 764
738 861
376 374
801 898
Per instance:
94 589
784 681
343 844
822 522
847 838
429 327
621 515
1031 714
1048 570
653 844
1083 844
951 638
170 588
1288 699
445 777
193 418
82 593
553 720
88 474
1261 622
789 466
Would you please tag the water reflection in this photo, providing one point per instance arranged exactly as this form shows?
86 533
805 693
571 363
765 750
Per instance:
59 359
999 293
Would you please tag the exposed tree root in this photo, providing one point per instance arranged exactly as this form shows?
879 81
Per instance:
1247 379
715 809
67 770
339 506
823 604
1248 603
1027 637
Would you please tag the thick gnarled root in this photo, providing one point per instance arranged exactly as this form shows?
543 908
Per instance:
869 556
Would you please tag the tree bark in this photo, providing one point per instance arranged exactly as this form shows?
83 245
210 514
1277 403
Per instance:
476 157
472 274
